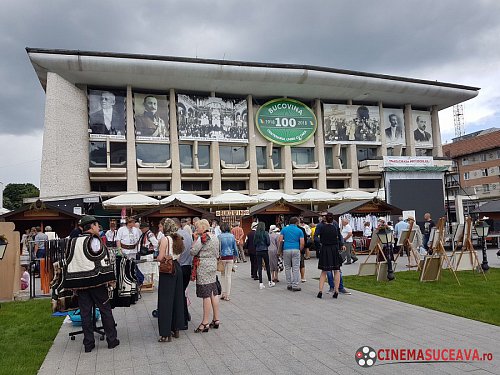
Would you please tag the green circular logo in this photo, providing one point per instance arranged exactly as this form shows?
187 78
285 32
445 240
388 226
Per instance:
286 121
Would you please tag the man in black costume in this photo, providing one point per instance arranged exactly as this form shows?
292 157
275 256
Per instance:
90 272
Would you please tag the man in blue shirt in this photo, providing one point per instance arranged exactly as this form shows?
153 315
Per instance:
398 229
291 242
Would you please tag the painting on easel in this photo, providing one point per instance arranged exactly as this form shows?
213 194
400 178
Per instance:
406 235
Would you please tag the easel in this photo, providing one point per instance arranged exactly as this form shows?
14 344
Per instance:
97 329
408 245
467 246
437 246
366 268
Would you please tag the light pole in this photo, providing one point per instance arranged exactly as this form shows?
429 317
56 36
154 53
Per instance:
482 229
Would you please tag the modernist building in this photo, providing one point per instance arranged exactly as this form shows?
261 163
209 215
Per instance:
159 124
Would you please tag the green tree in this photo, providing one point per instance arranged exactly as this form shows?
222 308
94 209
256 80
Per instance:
13 195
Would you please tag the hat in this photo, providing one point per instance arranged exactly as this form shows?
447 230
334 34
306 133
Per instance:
144 224
254 225
48 228
87 219
410 217
274 228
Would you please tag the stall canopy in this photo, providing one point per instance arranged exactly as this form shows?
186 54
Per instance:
354 194
185 197
230 197
281 207
130 199
369 206
380 194
272 195
175 208
42 214
315 195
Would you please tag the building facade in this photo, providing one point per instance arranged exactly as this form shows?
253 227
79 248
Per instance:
157 124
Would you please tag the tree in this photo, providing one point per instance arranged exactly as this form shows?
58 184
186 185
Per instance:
13 195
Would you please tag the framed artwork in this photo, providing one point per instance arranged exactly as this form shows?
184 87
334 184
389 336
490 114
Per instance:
367 269
406 234
107 114
431 270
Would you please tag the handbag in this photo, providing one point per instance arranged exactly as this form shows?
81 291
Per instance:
167 265
220 266
281 266
194 269
219 287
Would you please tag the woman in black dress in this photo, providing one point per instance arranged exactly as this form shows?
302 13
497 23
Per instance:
329 256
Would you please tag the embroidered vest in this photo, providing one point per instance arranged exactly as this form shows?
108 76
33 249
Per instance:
85 268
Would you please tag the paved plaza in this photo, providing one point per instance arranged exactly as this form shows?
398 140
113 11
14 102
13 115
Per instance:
275 331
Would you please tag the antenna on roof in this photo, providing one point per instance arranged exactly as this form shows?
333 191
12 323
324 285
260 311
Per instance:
458 119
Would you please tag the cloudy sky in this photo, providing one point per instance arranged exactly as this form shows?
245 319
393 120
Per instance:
445 40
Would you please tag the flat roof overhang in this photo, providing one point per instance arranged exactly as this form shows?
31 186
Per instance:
151 72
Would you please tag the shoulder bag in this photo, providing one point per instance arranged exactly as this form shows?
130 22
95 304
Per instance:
167 265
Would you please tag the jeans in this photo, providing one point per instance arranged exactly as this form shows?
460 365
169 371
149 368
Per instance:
291 260
263 256
329 275
349 253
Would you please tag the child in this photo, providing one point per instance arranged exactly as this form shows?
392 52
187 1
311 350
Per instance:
25 279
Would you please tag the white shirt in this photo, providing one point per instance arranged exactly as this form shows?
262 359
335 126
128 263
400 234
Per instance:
345 232
111 235
108 116
128 237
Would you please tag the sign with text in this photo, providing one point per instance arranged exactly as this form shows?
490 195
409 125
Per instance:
408 161
286 121
232 213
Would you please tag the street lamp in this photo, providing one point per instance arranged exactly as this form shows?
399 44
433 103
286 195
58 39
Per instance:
386 237
3 246
482 229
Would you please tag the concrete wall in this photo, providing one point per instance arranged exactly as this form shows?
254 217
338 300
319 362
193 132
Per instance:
65 152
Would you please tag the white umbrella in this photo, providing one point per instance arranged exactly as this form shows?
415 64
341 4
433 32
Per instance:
185 197
315 195
4 211
131 199
232 197
272 195
354 194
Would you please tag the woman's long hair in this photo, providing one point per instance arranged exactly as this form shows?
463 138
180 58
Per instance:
260 233
169 226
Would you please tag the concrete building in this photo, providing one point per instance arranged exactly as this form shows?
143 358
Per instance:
355 120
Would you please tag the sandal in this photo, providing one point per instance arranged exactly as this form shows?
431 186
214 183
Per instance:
202 328
215 324
165 339
175 333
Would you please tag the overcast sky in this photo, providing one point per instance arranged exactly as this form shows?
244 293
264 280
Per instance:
446 40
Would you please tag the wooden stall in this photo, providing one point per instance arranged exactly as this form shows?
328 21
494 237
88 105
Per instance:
10 271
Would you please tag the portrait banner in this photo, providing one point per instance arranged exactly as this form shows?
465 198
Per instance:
421 127
151 117
212 119
394 127
351 124
107 114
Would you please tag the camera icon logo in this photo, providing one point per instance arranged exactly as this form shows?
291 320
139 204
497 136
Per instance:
366 356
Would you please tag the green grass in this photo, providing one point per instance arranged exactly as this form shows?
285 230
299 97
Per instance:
27 331
476 298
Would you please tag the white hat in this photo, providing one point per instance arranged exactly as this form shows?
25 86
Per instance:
254 225
274 228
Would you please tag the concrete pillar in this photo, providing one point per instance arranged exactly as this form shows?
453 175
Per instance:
354 165
253 183
215 158
436 133
175 182
319 142
410 139
131 152
382 150
287 159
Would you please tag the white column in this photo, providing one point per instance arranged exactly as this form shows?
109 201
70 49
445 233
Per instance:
383 149
253 183
319 142
436 133
175 182
410 139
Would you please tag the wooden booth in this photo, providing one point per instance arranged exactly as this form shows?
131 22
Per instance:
171 209
10 271
41 214
363 211
275 213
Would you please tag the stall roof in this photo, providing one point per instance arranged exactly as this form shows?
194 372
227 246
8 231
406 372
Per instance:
491 206
40 210
369 205
260 208
177 203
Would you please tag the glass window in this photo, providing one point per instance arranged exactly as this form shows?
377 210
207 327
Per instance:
204 156
277 157
390 151
153 186
266 185
366 184
233 154
302 184
186 156
234 185
108 186
195 185
118 154
423 152
484 173
329 157
335 184
97 154
366 153
486 188
343 156
466 175
303 155
157 153
261 157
